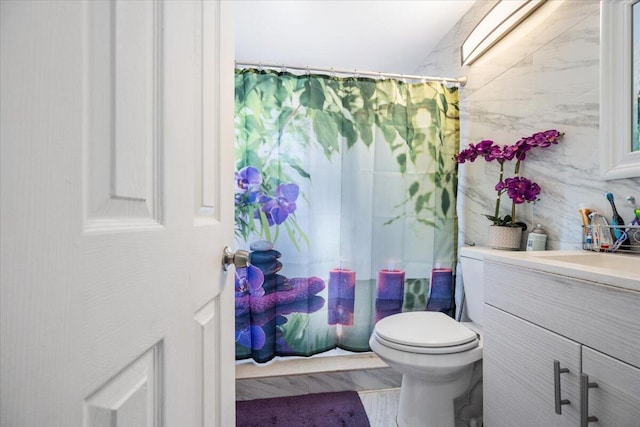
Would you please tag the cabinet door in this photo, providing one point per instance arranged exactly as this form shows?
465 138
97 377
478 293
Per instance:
519 373
616 400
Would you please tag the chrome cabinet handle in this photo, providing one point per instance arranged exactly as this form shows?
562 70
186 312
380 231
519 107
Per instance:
585 385
559 401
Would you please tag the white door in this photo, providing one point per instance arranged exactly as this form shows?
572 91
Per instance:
116 179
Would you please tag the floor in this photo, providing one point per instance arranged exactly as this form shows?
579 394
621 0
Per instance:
377 385
359 372
381 406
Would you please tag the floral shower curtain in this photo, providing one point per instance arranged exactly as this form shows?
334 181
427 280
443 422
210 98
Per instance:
345 196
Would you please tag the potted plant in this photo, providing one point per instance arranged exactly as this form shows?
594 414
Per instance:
505 232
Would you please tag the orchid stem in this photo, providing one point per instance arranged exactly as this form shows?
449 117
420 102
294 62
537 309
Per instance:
497 213
513 204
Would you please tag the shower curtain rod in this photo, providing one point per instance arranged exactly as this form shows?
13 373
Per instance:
460 80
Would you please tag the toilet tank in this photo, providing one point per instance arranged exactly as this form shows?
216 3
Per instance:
472 262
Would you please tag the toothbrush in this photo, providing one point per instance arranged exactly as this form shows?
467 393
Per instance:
616 219
625 235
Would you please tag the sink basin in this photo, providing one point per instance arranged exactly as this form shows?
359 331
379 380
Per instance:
616 262
617 270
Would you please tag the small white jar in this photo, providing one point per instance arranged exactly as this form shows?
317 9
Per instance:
537 240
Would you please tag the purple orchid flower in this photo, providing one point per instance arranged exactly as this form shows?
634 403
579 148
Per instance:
248 181
278 208
466 155
252 337
249 280
520 189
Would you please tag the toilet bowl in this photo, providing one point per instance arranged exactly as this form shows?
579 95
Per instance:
434 353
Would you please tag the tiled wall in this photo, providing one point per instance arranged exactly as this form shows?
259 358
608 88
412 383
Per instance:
543 75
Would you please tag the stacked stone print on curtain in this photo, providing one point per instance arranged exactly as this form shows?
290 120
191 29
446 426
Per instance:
345 196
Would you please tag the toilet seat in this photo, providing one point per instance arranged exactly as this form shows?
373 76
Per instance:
425 332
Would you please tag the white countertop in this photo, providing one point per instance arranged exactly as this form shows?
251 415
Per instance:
619 270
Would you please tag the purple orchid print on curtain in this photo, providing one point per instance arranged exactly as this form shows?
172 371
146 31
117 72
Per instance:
249 282
279 207
253 337
264 298
259 206
248 182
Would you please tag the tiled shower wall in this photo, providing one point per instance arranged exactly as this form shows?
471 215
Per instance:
543 75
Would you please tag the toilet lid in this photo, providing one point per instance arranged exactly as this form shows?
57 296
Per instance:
428 329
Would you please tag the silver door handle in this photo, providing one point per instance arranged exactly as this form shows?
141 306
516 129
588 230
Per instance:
585 385
559 401
239 258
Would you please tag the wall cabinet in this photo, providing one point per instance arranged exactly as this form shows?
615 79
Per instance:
547 338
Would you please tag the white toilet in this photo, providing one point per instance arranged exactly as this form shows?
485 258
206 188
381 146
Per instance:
435 353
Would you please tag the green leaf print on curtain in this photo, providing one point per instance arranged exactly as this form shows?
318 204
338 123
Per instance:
345 195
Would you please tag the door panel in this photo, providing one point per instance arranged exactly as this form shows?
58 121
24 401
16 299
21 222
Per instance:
114 308
122 115
131 398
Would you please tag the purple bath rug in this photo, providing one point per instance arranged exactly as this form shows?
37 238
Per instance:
337 409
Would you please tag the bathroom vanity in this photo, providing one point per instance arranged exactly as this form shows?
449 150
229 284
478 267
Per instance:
562 339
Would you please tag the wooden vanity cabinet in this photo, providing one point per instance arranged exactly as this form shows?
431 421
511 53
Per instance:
546 338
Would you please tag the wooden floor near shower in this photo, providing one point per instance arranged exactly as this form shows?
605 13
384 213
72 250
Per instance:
377 385
293 376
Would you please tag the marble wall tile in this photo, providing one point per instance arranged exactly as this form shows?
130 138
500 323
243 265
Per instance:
543 75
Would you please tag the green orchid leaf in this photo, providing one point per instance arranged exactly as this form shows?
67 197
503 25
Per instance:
326 131
303 173
426 222
264 222
419 204
389 133
348 131
313 95
302 235
443 102
413 188
445 202
392 220
402 162
292 236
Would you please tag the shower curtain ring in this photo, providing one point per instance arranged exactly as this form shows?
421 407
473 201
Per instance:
307 71
284 68
260 66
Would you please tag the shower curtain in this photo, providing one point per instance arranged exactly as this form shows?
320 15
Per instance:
345 196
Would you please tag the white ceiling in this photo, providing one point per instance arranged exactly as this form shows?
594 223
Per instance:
383 35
